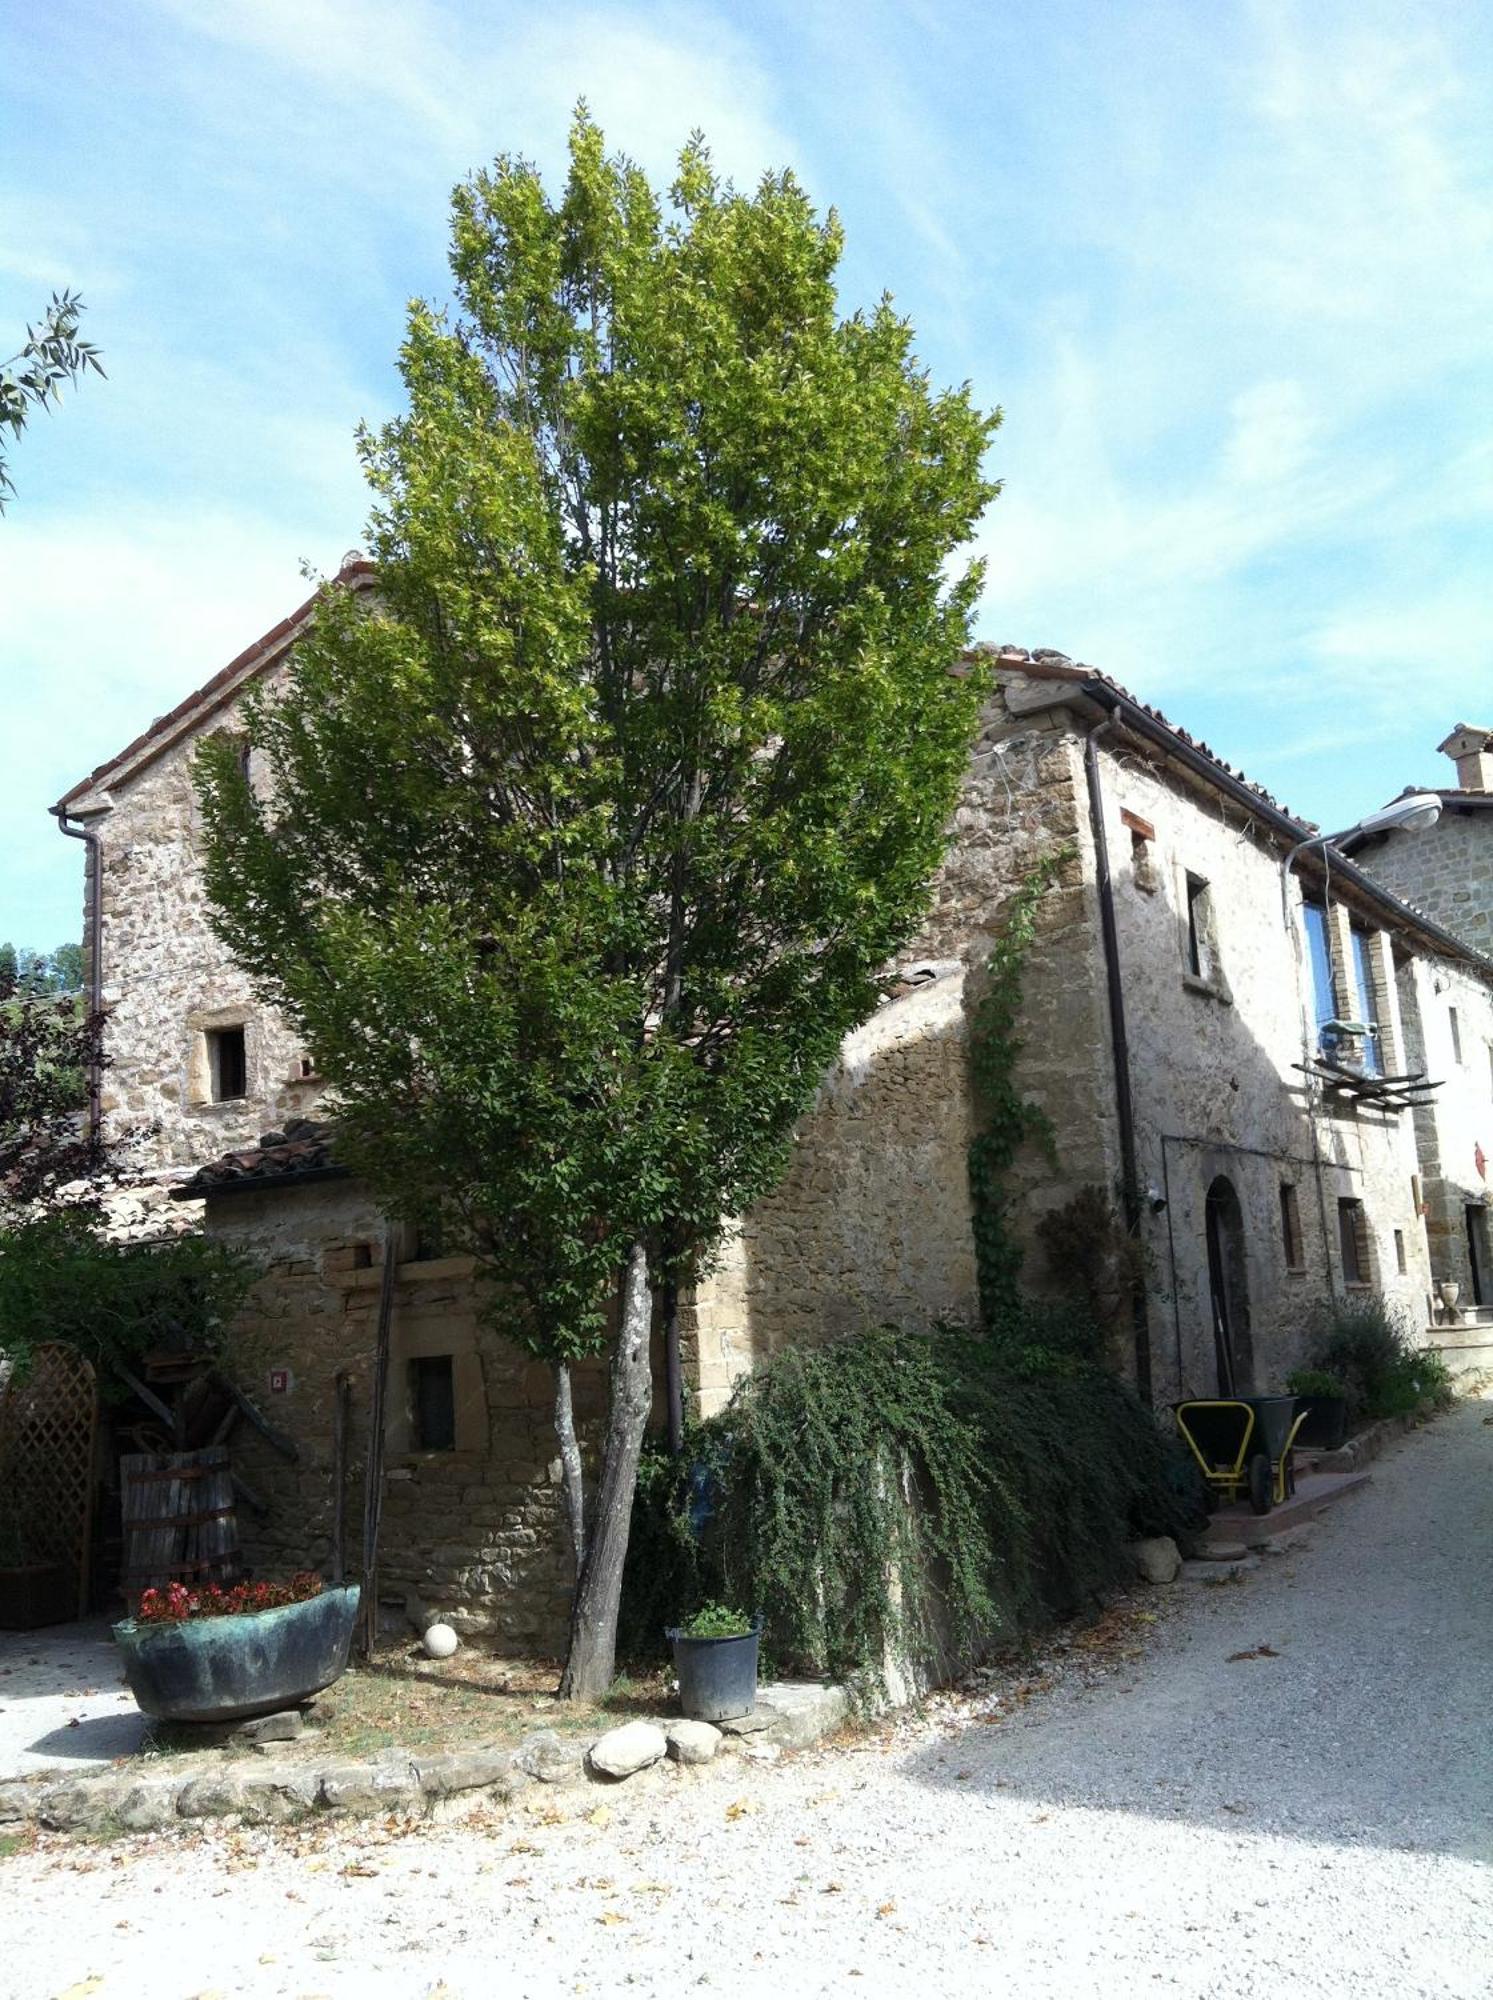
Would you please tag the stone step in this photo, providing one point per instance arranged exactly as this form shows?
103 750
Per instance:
1314 1491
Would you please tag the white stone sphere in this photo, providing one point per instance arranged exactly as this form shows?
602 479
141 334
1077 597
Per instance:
440 1641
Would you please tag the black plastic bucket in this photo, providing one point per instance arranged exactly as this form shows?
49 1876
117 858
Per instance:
717 1677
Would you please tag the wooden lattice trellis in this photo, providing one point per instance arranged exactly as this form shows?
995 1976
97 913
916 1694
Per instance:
48 1424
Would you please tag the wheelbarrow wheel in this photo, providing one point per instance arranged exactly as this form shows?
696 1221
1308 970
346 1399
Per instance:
1259 1483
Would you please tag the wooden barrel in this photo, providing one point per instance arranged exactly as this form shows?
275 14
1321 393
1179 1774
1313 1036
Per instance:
179 1520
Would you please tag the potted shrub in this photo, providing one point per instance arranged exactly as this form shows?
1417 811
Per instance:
215 1655
1326 1398
715 1657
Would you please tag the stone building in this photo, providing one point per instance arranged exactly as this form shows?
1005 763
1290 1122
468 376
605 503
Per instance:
1448 872
1231 1050
1273 1158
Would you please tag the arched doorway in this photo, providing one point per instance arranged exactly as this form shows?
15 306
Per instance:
1228 1287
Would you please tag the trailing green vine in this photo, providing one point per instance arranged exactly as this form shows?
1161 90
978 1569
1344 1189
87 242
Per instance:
1005 1119
900 1495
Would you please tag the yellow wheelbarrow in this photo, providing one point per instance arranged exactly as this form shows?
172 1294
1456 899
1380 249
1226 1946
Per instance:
1243 1444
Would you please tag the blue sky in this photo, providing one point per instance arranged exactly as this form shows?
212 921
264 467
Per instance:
1227 267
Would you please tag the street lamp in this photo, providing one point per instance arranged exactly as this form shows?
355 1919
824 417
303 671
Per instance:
1410 814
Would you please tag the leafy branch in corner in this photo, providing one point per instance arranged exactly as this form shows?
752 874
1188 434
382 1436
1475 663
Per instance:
33 377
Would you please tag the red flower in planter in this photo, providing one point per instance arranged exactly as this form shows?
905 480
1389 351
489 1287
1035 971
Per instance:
176 1603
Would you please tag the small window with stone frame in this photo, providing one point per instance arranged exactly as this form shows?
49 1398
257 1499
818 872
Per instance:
227 1064
1201 943
1290 1228
432 1396
1353 1242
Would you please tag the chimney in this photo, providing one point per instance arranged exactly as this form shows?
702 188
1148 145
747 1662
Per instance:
1472 751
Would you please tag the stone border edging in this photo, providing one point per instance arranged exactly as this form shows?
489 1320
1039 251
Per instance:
790 1715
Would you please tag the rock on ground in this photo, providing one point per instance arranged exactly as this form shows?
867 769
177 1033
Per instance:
631 1748
693 1742
1157 1559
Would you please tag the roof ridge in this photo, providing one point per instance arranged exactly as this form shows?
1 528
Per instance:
355 570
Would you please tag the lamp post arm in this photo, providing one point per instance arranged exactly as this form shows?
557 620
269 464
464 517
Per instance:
1316 840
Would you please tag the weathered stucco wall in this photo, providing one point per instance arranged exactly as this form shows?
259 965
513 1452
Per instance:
478 1531
1217 1094
167 981
1455 1130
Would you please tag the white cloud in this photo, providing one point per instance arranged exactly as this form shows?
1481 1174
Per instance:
1273 429
506 79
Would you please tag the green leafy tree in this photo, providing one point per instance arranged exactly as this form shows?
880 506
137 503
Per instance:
38 972
49 1045
32 378
584 842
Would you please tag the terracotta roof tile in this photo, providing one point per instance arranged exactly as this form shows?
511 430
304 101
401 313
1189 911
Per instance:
298 1149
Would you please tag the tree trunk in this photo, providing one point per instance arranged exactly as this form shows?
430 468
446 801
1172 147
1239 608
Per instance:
592 1664
570 1463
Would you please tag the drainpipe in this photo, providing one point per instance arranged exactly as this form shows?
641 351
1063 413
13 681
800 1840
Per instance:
1119 1042
93 903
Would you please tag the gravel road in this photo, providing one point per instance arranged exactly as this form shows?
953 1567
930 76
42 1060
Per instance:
1280 1786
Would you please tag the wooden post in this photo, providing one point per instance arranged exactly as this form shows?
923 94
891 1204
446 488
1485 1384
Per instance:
341 1397
373 1482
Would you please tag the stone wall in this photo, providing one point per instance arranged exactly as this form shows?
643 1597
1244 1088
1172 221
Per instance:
168 981
871 1224
478 1531
1445 870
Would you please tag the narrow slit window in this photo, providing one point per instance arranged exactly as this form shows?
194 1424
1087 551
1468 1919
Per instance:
1400 1264
1290 1227
228 1064
1353 1241
1199 928
432 1403
1456 1028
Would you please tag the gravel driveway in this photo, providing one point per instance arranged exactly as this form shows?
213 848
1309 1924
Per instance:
1286 1792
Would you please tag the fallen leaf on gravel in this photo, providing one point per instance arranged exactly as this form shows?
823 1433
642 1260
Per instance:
83 1988
885 1909
358 1868
600 1816
832 1889
739 1808
611 1917
1261 1652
